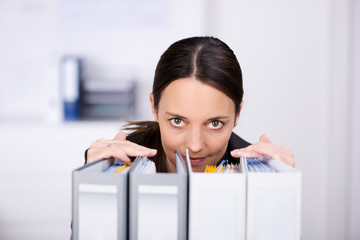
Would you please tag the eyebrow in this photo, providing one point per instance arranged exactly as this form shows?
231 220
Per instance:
209 119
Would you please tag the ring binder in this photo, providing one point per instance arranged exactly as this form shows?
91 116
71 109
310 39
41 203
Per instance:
158 203
99 202
216 205
273 202
250 202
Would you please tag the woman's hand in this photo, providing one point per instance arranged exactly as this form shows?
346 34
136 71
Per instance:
118 147
266 149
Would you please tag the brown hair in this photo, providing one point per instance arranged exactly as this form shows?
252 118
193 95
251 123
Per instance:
210 61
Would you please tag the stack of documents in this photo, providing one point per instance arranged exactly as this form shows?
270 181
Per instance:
258 165
144 166
224 167
253 199
119 167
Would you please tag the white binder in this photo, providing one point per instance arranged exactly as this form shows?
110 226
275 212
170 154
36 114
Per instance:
99 202
158 204
274 203
186 205
216 205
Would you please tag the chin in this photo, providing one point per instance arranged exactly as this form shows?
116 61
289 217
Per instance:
198 168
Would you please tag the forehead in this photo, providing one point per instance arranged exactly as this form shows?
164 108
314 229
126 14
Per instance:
190 97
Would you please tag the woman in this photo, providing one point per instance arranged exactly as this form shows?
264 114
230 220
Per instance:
196 101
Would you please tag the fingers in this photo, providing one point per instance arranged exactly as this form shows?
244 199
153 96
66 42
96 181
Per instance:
120 136
237 153
266 149
264 138
119 148
131 149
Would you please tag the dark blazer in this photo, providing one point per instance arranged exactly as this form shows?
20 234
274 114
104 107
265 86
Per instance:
235 142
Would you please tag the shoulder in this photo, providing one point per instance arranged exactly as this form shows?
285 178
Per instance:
146 133
236 142
135 138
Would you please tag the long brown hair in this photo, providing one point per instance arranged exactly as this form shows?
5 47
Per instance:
210 61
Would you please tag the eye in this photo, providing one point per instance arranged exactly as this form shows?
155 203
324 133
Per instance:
216 125
177 122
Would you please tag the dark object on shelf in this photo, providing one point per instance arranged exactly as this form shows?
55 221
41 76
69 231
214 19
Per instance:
107 100
70 75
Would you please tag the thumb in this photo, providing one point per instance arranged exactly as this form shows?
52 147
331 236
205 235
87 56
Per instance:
120 136
264 138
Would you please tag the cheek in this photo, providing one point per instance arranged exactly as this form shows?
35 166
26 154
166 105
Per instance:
171 141
217 145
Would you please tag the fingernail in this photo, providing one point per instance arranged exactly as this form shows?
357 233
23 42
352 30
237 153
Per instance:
149 151
237 151
145 151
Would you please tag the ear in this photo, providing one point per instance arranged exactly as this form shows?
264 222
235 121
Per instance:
153 109
238 115
236 119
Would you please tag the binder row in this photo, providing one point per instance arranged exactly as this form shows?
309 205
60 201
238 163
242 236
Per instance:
258 199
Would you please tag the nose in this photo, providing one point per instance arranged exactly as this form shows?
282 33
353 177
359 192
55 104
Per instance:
195 140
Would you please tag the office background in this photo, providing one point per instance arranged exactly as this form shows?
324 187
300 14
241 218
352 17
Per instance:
300 62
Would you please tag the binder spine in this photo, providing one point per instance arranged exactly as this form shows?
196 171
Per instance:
244 169
218 198
99 202
156 189
274 203
157 205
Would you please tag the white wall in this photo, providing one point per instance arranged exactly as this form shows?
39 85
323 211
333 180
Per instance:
353 209
283 48
296 59
294 56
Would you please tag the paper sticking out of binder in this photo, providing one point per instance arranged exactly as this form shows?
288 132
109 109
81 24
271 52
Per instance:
259 165
253 165
224 167
119 167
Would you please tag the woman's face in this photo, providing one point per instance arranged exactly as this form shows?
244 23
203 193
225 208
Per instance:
196 116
